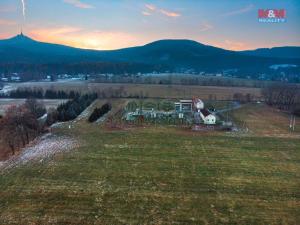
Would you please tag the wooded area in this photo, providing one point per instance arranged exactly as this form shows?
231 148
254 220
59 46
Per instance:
20 125
99 112
283 96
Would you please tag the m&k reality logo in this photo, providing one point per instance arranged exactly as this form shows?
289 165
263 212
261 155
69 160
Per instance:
272 15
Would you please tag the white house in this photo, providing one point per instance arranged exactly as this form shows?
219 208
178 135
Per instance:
198 104
207 117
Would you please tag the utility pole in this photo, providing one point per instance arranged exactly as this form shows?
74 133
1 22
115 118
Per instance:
294 123
227 113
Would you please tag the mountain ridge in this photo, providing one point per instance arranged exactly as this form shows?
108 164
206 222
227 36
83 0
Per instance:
168 54
25 37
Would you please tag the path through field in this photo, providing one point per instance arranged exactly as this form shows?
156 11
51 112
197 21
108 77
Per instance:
42 149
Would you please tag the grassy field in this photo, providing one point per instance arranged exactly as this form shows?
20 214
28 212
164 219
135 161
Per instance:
263 120
153 91
160 175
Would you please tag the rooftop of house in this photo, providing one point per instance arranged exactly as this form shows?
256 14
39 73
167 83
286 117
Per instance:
186 101
205 112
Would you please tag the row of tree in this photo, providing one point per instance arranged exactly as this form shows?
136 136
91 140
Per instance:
283 96
20 125
181 79
36 71
39 93
243 98
71 109
99 112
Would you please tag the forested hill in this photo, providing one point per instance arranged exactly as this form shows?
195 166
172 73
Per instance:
23 54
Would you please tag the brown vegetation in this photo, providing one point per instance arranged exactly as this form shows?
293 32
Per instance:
106 90
19 126
283 96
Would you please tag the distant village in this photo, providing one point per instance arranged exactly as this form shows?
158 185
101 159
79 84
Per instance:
275 72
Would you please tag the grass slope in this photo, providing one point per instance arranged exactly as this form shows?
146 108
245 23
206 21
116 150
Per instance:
158 175
263 120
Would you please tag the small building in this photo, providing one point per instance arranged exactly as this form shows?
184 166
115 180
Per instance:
185 106
198 104
207 117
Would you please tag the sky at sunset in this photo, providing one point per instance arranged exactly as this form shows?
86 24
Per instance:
113 24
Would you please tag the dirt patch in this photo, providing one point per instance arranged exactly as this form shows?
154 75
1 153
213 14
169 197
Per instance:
41 149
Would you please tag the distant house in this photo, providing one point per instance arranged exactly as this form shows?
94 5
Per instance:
207 117
15 78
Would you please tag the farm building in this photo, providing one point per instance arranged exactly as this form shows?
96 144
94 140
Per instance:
185 106
207 117
198 104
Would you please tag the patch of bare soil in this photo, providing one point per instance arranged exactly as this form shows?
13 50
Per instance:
41 149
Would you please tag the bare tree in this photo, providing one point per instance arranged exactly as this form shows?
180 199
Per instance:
37 108
18 127
283 96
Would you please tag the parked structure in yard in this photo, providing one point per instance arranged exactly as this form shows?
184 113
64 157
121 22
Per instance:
150 114
184 106
207 117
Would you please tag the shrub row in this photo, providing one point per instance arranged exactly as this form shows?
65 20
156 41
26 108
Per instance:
99 112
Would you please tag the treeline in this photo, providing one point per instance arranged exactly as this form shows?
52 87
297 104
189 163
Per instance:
36 71
39 93
182 79
283 96
99 112
243 98
20 125
71 109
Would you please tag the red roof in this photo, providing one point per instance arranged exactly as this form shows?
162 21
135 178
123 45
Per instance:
205 112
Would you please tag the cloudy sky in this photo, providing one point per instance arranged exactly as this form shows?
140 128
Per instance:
112 24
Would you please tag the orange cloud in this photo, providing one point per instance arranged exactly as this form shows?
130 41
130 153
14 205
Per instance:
169 13
164 12
150 7
79 4
80 38
146 13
